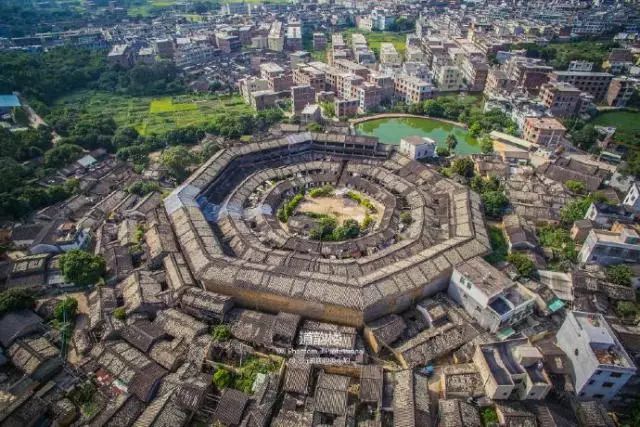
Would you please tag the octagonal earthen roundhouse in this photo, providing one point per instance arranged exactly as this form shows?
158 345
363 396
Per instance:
224 220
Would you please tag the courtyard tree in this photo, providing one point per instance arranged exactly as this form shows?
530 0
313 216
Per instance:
177 159
495 202
619 274
575 186
65 310
15 299
522 263
486 144
451 141
82 268
463 167
222 378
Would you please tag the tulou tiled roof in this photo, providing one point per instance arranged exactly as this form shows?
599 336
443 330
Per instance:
223 218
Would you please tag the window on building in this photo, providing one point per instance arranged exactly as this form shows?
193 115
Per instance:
615 374
598 396
591 382
607 384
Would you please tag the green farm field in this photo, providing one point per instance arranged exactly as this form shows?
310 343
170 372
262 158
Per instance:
626 122
154 115
375 38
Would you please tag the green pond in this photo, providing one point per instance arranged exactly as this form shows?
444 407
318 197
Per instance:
391 130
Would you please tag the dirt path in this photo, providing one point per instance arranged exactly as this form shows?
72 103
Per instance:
81 321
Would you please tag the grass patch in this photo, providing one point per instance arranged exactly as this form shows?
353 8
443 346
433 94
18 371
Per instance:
489 416
153 115
375 38
498 245
166 105
627 124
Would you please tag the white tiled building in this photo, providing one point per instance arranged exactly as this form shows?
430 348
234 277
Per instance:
488 295
601 366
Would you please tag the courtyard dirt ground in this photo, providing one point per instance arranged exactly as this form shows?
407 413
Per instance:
339 206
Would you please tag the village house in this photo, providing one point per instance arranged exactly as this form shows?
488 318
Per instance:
601 366
512 369
140 292
488 295
36 357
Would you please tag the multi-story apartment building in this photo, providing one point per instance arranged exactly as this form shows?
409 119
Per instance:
349 85
122 55
346 107
389 54
310 76
605 215
352 68
279 80
319 41
412 89
386 85
252 84
164 48
339 49
333 77
293 41
543 130
488 295
275 39
620 91
414 54
527 73
619 60
632 199
228 43
600 365
511 370
301 96
195 54
361 52
369 96
259 42
270 69
381 19
595 83
263 99
498 83
475 73
562 99
447 76
620 245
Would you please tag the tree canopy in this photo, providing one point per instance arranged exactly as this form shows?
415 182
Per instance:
81 267
619 275
65 310
15 299
463 166
177 159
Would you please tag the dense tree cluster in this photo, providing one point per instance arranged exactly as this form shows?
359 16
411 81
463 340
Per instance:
19 171
522 263
49 75
82 268
583 135
463 110
24 17
15 299
559 55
